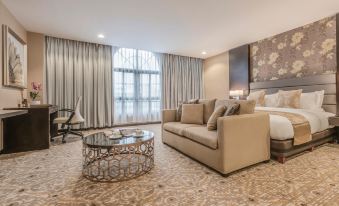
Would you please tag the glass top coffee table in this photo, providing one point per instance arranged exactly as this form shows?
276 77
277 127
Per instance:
111 160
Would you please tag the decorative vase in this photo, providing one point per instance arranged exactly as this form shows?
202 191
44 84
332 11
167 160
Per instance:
35 102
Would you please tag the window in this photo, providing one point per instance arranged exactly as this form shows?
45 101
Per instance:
136 85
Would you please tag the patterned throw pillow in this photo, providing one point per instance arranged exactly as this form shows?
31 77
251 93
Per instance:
289 99
258 96
179 109
212 121
232 109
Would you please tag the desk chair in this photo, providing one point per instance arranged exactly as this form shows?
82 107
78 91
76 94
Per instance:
67 122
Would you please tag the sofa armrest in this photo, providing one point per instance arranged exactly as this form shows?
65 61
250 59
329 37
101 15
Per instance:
168 115
243 140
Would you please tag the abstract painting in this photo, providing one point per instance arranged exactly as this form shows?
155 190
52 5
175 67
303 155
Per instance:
15 59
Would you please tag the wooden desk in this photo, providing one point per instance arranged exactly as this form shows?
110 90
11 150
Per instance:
7 114
31 131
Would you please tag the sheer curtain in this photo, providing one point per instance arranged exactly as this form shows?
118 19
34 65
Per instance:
182 79
84 69
137 88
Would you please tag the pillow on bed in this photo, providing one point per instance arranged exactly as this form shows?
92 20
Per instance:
289 99
312 100
258 96
271 100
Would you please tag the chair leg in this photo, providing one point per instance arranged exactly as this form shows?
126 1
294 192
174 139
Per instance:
68 130
63 138
76 133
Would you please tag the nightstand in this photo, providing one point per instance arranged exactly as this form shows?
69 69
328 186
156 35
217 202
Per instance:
335 122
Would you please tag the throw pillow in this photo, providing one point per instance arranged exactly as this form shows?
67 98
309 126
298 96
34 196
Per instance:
289 99
232 109
208 108
192 114
212 121
179 109
271 100
246 106
312 100
258 96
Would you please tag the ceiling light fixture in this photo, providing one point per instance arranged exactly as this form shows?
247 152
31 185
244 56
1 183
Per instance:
203 53
101 36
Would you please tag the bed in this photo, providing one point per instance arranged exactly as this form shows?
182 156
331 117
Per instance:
282 134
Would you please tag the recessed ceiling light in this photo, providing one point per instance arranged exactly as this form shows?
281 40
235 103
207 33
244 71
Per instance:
101 36
203 53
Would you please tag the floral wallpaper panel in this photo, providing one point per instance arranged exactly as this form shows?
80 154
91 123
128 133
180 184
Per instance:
304 51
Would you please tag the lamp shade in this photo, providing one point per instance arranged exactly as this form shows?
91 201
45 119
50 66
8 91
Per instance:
236 93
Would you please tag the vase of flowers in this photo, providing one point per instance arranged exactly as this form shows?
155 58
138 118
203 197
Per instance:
34 94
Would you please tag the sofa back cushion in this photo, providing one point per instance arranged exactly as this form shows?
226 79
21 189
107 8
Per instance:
192 114
246 106
208 108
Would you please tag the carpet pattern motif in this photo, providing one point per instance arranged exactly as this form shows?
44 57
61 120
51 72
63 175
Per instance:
53 177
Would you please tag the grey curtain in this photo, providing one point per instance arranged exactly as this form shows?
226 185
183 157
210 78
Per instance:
84 69
182 79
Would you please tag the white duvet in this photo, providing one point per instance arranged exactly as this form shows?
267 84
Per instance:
281 128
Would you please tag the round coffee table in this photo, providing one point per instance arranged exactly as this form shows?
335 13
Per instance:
112 160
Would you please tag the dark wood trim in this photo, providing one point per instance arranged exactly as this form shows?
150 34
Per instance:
323 79
239 72
337 76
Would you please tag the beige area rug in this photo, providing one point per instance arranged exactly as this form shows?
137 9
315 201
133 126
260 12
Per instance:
53 177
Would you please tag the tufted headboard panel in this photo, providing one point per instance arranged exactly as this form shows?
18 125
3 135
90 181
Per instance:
326 82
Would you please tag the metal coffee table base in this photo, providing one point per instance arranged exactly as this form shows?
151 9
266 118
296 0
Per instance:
119 162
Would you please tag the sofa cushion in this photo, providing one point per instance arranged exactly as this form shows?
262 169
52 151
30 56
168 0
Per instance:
202 136
178 128
208 108
192 114
246 106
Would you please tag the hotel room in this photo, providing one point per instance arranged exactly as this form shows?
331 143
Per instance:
148 103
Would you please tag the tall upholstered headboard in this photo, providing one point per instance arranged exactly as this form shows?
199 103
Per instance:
326 82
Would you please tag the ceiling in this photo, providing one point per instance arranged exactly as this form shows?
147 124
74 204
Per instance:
183 27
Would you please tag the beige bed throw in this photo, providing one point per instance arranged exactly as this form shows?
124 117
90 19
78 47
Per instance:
301 127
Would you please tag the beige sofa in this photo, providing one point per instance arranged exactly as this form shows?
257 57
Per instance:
239 141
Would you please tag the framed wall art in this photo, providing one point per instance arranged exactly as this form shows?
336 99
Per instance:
14 59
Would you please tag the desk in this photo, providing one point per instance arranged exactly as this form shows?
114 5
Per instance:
7 114
30 131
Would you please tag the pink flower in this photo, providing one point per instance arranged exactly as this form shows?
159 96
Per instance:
36 86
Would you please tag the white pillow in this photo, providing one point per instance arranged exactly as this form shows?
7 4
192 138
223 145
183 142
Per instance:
271 100
312 100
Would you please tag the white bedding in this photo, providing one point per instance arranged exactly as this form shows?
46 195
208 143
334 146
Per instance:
281 128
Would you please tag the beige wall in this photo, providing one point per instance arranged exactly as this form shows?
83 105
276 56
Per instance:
216 76
35 53
9 96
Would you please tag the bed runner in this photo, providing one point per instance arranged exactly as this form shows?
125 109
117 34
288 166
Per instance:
301 126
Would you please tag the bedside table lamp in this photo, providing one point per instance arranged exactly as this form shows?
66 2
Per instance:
236 94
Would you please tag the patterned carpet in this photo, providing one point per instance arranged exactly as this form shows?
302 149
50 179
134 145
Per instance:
53 177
